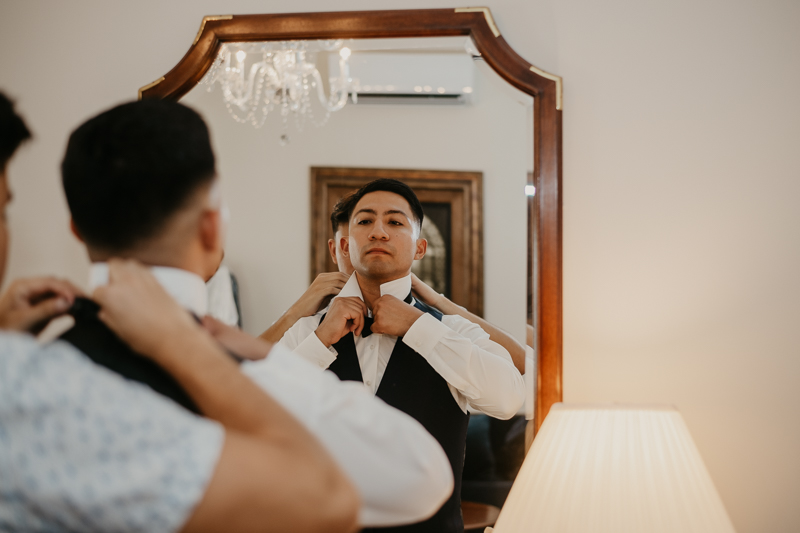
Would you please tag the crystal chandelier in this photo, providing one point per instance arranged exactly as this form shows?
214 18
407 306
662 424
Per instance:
258 79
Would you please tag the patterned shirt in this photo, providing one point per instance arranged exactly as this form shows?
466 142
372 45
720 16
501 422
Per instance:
82 449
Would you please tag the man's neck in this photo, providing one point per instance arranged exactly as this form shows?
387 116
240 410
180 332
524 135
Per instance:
371 287
153 257
186 287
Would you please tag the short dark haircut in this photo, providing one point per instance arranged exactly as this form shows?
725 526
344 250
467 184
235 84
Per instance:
341 212
390 185
13 130
129 169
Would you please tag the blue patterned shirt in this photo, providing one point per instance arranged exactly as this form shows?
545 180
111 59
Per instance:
82 449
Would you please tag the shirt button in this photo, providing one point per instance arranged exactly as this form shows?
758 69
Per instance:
369 383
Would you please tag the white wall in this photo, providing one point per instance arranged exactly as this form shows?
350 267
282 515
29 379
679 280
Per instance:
681 232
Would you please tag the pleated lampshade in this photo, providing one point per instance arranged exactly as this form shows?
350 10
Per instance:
613 468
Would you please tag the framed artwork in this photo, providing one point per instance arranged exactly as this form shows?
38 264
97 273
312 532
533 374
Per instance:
453 225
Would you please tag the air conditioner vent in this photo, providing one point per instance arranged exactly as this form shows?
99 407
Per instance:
416 78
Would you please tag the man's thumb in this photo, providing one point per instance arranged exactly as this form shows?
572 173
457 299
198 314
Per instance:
44 311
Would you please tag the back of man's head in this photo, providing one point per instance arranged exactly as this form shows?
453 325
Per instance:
13 131
389 185
129 169
340 215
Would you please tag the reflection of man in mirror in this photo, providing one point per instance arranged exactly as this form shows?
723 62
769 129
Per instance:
431 366
329 284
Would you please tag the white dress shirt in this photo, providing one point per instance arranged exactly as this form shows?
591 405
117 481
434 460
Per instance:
401 472
221 301
478 371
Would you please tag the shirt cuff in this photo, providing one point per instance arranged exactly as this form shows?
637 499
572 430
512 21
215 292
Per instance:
313 350
424 334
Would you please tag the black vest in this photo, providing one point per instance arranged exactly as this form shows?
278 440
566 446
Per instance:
411 385
101 345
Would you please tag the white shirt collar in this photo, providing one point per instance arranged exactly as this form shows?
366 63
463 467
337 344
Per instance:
188 289
399 288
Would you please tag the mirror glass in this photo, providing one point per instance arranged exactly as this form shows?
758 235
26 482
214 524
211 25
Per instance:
399 120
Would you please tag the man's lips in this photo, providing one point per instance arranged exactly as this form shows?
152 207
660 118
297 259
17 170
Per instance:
379 251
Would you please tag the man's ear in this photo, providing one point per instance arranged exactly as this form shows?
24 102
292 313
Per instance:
74 229
422 247
211 229
332 250
345 244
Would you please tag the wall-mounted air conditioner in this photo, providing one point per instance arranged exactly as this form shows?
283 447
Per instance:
410 78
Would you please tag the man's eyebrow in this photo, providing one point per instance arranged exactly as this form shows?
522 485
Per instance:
388 212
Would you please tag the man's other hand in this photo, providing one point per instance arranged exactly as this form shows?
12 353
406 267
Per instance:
325 286
30 304
345 315
422 291
235 340
393 316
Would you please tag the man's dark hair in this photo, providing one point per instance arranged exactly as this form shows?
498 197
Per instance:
13 130
341 212
129 169
390 185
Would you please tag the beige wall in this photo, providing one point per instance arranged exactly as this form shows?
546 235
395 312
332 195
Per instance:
681 174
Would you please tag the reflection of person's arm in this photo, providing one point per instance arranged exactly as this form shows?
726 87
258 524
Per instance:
271 470
479 368
301 340
401 472
324 287
280 327
429 296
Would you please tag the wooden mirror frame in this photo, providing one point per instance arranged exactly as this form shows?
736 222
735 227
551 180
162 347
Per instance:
544 246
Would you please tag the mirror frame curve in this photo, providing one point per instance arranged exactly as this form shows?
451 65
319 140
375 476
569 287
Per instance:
545 228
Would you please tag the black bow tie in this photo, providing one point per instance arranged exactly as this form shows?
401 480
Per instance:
366 331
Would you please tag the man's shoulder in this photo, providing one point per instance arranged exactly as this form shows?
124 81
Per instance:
93 337
24 362
464 326
16 349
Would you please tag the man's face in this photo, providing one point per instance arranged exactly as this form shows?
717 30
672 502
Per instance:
383 239
335 248
5 198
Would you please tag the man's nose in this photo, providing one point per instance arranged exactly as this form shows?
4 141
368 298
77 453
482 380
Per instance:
378 232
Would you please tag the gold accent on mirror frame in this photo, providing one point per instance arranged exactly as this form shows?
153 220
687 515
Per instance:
486 13
208 19
557 79
149 86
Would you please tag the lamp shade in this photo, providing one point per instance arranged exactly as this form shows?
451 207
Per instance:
615 468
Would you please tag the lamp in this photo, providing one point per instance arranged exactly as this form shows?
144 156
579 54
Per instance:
620 468
263 77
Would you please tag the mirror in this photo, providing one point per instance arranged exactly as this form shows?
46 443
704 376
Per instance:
510 133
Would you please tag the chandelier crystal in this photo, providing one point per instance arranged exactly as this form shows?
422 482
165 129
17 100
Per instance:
259 79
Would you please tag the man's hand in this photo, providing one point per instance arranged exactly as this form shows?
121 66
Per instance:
237 341
325 286
422 291
393 316
30 304
345 315
140 312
